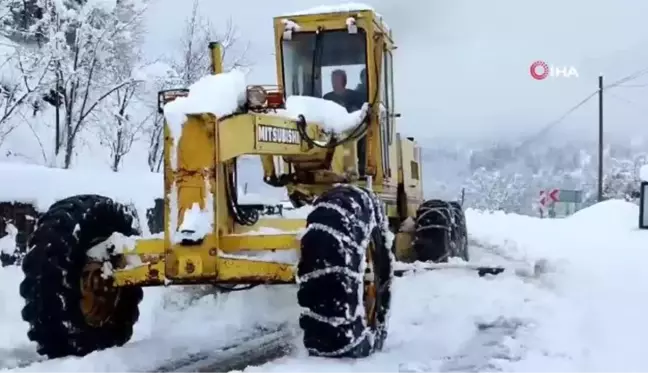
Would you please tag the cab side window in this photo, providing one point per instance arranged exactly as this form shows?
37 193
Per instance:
386 96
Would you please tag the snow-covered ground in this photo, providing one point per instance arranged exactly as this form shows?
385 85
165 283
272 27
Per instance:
582 311
170 327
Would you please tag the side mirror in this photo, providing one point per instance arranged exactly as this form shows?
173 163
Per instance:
643 206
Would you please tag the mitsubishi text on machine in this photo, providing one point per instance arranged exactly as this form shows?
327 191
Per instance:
279 135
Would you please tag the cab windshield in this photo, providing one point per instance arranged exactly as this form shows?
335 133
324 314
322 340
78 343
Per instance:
329 65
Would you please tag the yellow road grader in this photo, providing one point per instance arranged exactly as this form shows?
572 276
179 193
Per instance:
362 187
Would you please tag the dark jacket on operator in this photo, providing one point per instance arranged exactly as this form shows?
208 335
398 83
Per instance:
350 99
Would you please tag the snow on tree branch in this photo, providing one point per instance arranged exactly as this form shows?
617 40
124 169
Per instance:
22 74
83 41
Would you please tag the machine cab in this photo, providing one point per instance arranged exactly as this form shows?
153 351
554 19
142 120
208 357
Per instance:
343 56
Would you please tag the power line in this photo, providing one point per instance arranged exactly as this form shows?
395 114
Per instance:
633 85
549 126
629 78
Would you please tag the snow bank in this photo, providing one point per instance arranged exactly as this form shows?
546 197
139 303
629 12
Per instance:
643 173
530 238
42 186
512 235
614 214
596 263
330 115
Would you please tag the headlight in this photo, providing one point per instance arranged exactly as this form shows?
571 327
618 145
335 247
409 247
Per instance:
256 96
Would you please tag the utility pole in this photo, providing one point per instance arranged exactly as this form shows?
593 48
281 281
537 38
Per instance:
600 139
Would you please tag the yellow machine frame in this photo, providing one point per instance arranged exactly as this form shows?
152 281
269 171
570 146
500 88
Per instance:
205 154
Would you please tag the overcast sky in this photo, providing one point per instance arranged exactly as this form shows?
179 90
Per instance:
462 66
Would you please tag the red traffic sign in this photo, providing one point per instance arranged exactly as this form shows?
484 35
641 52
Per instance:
549 197
554 195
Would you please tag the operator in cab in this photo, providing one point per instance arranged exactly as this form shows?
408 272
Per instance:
348 98
352 100
361 89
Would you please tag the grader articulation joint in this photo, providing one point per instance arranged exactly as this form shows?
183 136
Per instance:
360 189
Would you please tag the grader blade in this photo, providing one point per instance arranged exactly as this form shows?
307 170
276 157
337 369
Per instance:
402 269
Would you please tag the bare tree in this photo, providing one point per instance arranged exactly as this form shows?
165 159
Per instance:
5 10
21 77
159 76
120 134
193 62
123 115
156 147
155 135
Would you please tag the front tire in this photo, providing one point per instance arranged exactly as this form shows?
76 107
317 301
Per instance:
69 308
346 300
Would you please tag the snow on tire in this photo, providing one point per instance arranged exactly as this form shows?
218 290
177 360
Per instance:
56 301
341 317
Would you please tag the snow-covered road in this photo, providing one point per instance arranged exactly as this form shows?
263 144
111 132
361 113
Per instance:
584 311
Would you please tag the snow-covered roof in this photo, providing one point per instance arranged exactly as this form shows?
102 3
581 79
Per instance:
334 8
643 173
338 8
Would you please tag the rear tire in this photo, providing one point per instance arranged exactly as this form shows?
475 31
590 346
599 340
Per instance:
440 232
54 268
345 223
461 231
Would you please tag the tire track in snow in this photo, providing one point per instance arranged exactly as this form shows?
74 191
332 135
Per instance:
491 254
492 342
255 350
486 348
19 357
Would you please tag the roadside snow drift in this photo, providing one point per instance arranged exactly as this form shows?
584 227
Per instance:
42 186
